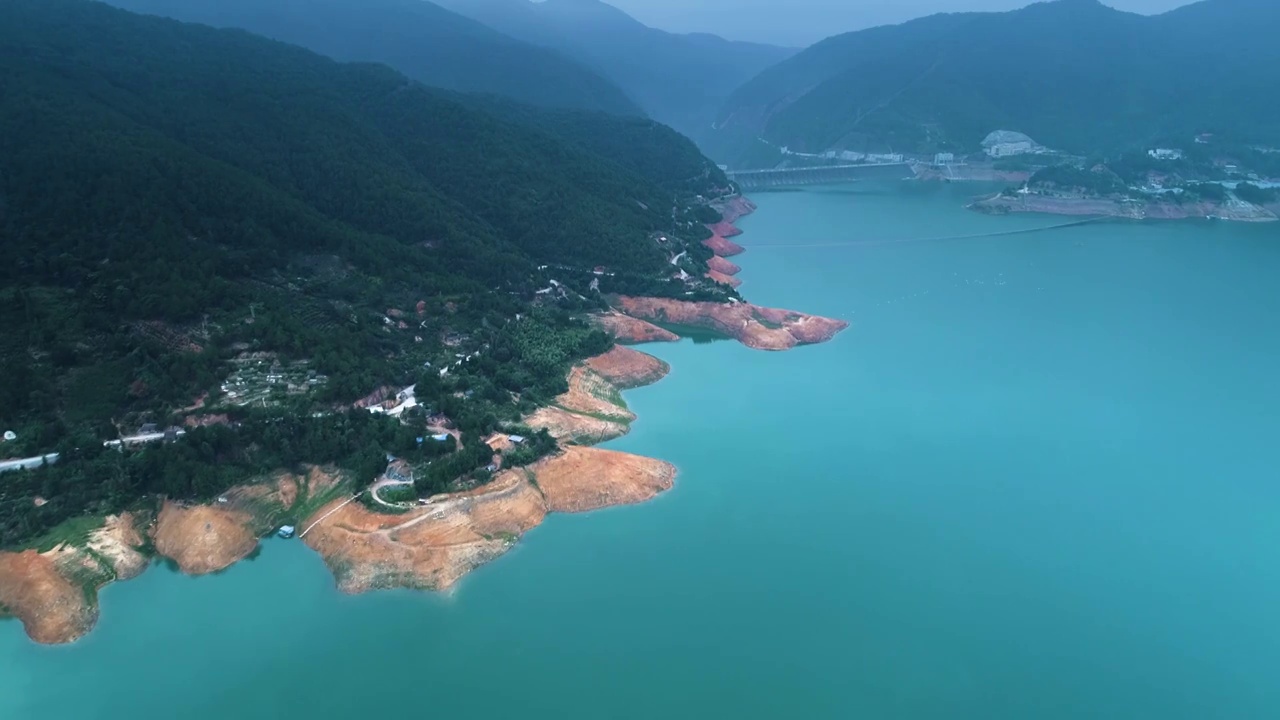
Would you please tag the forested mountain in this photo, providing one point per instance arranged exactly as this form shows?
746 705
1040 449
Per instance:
1073 74
422 40
173 197
680 80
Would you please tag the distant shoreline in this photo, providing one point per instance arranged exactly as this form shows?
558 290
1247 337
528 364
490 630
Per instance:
1065 205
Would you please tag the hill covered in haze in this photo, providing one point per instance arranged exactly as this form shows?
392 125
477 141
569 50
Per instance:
1073 74
177 201
678 79
422 40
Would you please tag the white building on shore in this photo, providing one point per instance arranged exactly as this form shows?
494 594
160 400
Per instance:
1007 143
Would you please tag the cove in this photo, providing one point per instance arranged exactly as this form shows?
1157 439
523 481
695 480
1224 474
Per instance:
1035 478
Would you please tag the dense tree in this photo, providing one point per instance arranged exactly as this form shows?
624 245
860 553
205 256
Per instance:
174 196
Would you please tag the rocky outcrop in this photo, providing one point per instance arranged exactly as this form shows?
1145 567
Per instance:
630 331
752 325
39 589
582 479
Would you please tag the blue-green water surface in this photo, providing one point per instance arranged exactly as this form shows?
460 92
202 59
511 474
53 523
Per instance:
1035 479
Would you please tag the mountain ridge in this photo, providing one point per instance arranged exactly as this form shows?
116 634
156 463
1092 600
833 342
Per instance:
1074 74
677 79
421 39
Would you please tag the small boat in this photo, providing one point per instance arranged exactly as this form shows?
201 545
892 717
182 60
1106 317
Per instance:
285 531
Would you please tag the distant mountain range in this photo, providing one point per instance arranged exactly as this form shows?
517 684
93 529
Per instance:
422 40
1073 74
680 80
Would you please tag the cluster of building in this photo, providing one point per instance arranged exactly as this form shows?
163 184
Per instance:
1008 143
406 399
257 378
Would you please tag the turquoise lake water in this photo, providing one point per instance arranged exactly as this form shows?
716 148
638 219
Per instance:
1035 479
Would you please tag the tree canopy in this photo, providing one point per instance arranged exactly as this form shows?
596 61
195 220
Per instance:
175 199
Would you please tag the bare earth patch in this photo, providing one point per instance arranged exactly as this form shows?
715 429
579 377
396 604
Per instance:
54 593
754 326
722 266
590 394
628 368
432 546
117 542
723 279
629 330
572 427
723 246
581 479
37 589
203 539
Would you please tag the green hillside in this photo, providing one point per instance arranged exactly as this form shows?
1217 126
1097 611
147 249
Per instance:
680 80
420 39
188 211
1073 74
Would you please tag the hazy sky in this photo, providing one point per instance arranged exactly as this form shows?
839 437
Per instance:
802 22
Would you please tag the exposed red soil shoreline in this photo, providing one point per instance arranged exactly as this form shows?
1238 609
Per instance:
754 326
435 545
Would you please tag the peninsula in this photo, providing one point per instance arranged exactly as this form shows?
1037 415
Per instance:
372 539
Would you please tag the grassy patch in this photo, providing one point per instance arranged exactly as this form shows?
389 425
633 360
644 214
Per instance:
610 394
620 420
398 494
309 502
74 532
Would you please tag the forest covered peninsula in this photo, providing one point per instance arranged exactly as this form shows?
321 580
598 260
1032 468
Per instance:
250 287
